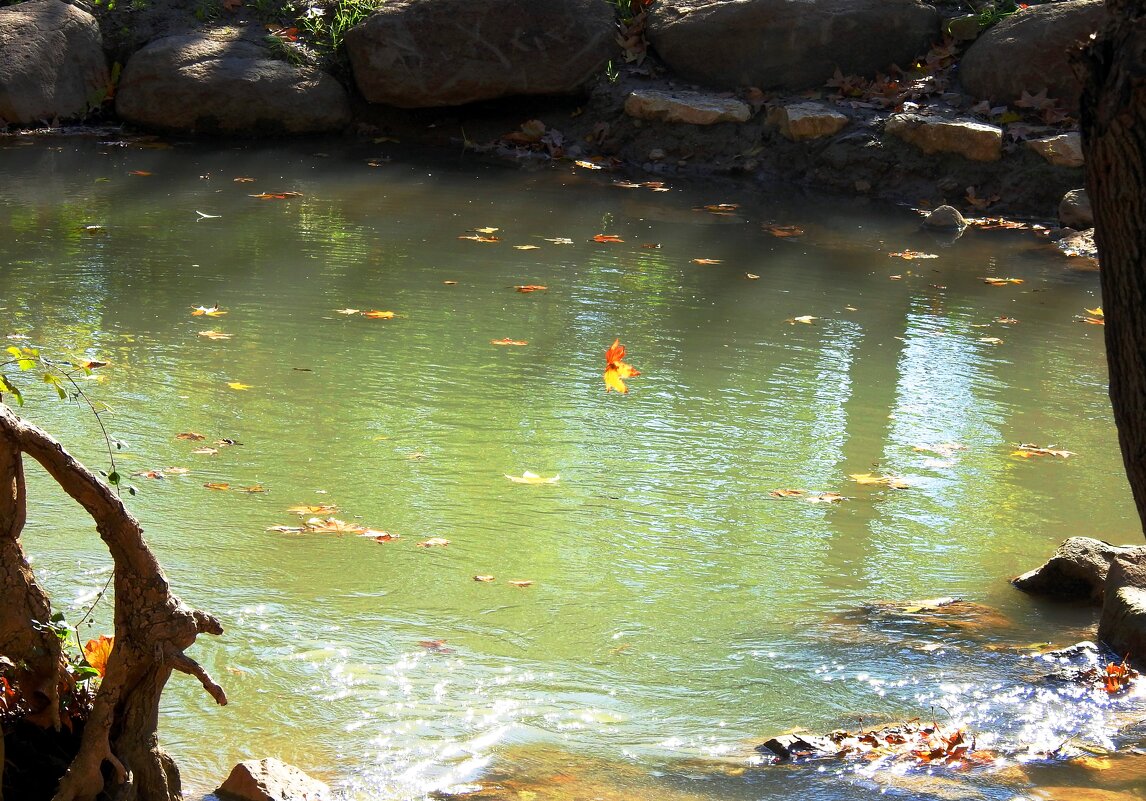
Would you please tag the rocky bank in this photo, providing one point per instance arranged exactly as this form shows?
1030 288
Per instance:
894 99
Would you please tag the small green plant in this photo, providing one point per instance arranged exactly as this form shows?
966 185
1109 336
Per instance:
283 50
328 23
612 74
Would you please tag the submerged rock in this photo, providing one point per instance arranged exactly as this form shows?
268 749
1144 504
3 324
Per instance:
425 53
52 64
271 780
1074 211
945 218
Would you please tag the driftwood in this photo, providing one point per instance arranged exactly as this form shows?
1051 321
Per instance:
153 628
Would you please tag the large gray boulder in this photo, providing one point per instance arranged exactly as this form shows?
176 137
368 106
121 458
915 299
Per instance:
224 84
1123 622
1028 52
1077 571
781 44
423 53
52 64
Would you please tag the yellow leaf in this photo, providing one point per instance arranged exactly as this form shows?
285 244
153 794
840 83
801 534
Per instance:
995 281
96 653
487 230
1096 312
238 385
207 311
379 315
217 485
787 493
528 477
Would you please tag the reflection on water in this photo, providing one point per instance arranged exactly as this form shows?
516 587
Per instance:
679 612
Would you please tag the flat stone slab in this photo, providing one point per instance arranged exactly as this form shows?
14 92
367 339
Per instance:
802 121
1064 150
693 108
972 140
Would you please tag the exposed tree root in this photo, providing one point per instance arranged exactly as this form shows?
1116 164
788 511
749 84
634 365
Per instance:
153 628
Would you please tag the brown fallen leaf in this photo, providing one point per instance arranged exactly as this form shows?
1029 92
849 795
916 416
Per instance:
707 261
252 490
891 482
483 578
784 231
996 281
190 435
910 255
375 314
434 542
205 451
825 497
222 486
521 583
787 493
480 238
531 288
214 335
607 238
508 341
276 195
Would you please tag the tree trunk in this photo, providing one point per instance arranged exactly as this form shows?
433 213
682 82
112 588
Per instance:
152 630
1113 116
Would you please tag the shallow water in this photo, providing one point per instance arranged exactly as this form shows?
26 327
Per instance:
679 613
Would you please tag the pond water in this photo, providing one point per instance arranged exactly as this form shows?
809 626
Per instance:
679 613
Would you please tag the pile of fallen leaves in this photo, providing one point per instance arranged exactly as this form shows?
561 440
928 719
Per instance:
913 741
1113 678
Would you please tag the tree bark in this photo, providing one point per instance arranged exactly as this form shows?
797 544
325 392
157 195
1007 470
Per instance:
152 628
1113 117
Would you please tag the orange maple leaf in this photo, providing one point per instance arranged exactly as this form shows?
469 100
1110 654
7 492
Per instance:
96 652
616 370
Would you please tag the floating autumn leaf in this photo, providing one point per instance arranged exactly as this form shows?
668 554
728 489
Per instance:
1027 451
220 486
205 451
1006 320
190 435
806 319
528 477
214 335
719 208
484 579
944 449
97 652
527 247
707 261
784 231
617 370
751 276
650 246
254 489
480 238
436 646
315 509
891 482
149 474
521 583
530 288
587 165
375 314
276 195
787 493
1095 312
434 542
560 240
450 283
332 525
287 529
207 311
825 497
996 281
911 255
1117 676
139 172
991 340
238 386
176 471
380 536
243 180
348 311
607 238
508 341
487 230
